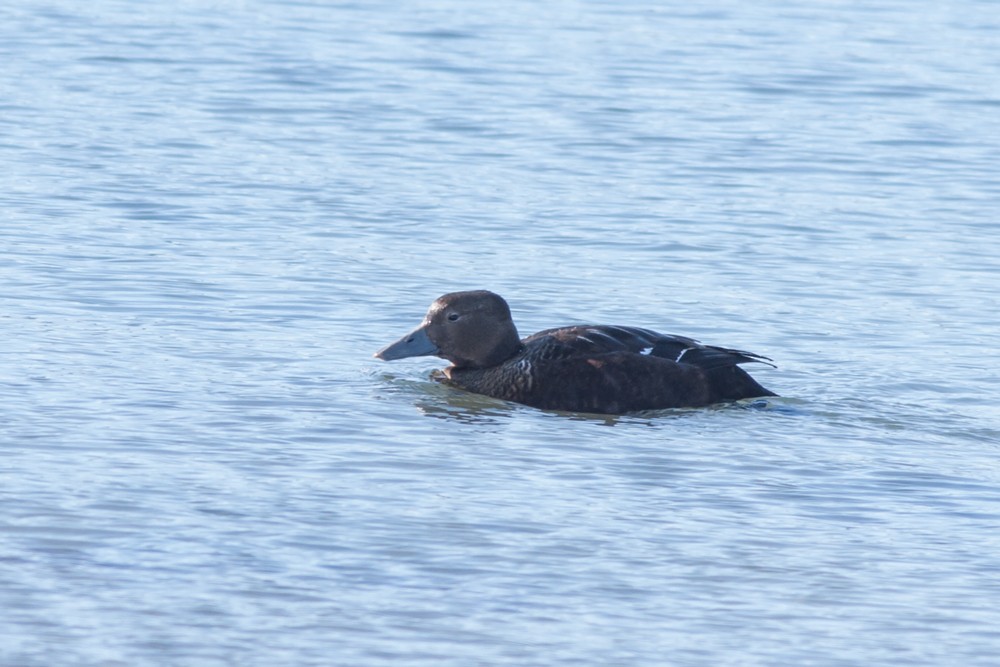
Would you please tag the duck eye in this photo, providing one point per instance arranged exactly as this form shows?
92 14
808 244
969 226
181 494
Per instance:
452 317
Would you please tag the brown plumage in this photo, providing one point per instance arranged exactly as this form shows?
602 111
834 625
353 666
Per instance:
599 368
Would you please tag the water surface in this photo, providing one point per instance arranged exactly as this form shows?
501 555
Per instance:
212 214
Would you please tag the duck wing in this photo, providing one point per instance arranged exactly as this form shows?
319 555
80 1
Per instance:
567 342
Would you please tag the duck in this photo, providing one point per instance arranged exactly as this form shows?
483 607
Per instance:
601 369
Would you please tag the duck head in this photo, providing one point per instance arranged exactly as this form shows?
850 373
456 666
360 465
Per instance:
469 329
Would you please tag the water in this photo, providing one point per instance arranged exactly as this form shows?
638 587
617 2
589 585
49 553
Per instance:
213 213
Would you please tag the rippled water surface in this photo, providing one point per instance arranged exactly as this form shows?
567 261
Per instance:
211 214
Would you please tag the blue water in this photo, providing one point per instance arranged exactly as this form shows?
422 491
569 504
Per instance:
212 214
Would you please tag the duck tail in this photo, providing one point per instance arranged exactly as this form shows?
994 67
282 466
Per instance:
732 383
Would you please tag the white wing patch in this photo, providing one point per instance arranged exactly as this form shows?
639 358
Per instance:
683 352
647 350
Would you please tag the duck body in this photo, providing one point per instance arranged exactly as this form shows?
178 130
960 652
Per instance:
585 368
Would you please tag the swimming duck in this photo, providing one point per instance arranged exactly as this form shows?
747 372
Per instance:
590 368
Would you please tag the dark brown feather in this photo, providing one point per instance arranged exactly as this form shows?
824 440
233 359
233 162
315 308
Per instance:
585 368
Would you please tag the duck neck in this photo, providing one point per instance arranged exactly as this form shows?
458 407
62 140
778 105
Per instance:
506 347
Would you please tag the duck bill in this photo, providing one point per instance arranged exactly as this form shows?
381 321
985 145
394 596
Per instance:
414 344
